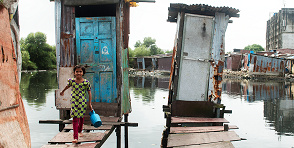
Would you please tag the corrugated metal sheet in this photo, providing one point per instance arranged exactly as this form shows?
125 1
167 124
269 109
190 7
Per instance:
164 63
200 9
267 64
217 55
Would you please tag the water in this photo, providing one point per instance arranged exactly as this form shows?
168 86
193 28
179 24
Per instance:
263 111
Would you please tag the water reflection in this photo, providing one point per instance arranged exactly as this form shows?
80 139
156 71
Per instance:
147 86
35 85
280 115
277 98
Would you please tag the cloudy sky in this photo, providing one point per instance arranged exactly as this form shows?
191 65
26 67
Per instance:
149 20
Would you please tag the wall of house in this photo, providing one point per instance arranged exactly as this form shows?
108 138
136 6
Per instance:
164 63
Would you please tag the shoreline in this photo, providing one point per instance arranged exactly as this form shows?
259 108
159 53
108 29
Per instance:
244 75
227 74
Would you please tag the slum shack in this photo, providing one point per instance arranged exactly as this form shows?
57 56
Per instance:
94 34
194 102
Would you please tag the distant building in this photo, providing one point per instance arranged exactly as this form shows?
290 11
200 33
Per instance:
280 30
155 62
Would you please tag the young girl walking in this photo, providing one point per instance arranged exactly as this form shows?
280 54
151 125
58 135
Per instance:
78 99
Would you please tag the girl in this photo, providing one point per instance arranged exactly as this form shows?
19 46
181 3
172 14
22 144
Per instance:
78 99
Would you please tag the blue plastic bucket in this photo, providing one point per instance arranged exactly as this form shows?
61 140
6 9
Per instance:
95 119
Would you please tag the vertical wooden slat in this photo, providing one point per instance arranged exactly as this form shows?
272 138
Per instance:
67 38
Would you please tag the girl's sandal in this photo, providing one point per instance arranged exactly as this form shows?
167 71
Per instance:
75 141
81 134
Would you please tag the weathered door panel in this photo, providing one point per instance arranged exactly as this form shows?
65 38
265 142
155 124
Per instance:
96 50
195 56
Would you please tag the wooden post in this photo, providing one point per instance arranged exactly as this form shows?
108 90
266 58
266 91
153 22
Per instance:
126 132
63 115
226 127
118 136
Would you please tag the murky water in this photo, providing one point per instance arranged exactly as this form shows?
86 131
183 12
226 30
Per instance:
263 111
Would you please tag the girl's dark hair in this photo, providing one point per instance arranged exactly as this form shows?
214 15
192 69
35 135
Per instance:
79 66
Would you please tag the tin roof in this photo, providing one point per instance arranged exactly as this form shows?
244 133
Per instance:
200 9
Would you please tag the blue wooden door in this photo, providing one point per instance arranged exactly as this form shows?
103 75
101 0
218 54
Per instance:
96 50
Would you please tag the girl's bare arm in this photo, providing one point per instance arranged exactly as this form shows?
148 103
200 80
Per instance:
62 92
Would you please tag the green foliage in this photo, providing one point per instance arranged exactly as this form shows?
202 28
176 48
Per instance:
148 41
147 48
131 53
154 50
142 51
26 62
254 47
169 51
131 60
138 44
40 53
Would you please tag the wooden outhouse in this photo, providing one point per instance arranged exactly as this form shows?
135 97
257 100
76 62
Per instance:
95 34
199 50
196 73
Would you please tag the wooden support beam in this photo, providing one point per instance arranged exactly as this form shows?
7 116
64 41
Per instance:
103 123
126 132
166 108
228 111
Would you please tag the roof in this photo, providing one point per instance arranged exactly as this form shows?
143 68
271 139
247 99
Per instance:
200 9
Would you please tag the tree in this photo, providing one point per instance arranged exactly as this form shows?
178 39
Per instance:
138 44
148 41
147 48
40 53
169 51
26 62
254 47
142 51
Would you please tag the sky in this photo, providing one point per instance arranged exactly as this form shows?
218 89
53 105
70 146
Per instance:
150 20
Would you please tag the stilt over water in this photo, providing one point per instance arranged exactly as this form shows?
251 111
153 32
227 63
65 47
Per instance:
194 113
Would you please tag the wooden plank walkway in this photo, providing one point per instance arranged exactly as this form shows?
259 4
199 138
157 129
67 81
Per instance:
84 145
201 138
178 120
96 136
67 137
225 144
203 129
195 135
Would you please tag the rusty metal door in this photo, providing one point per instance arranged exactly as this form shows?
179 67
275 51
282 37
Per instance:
96 50
195 58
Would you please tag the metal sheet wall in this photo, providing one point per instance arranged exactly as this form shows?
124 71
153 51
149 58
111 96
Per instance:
267 64
196 49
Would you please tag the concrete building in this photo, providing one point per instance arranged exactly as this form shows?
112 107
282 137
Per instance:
280 30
